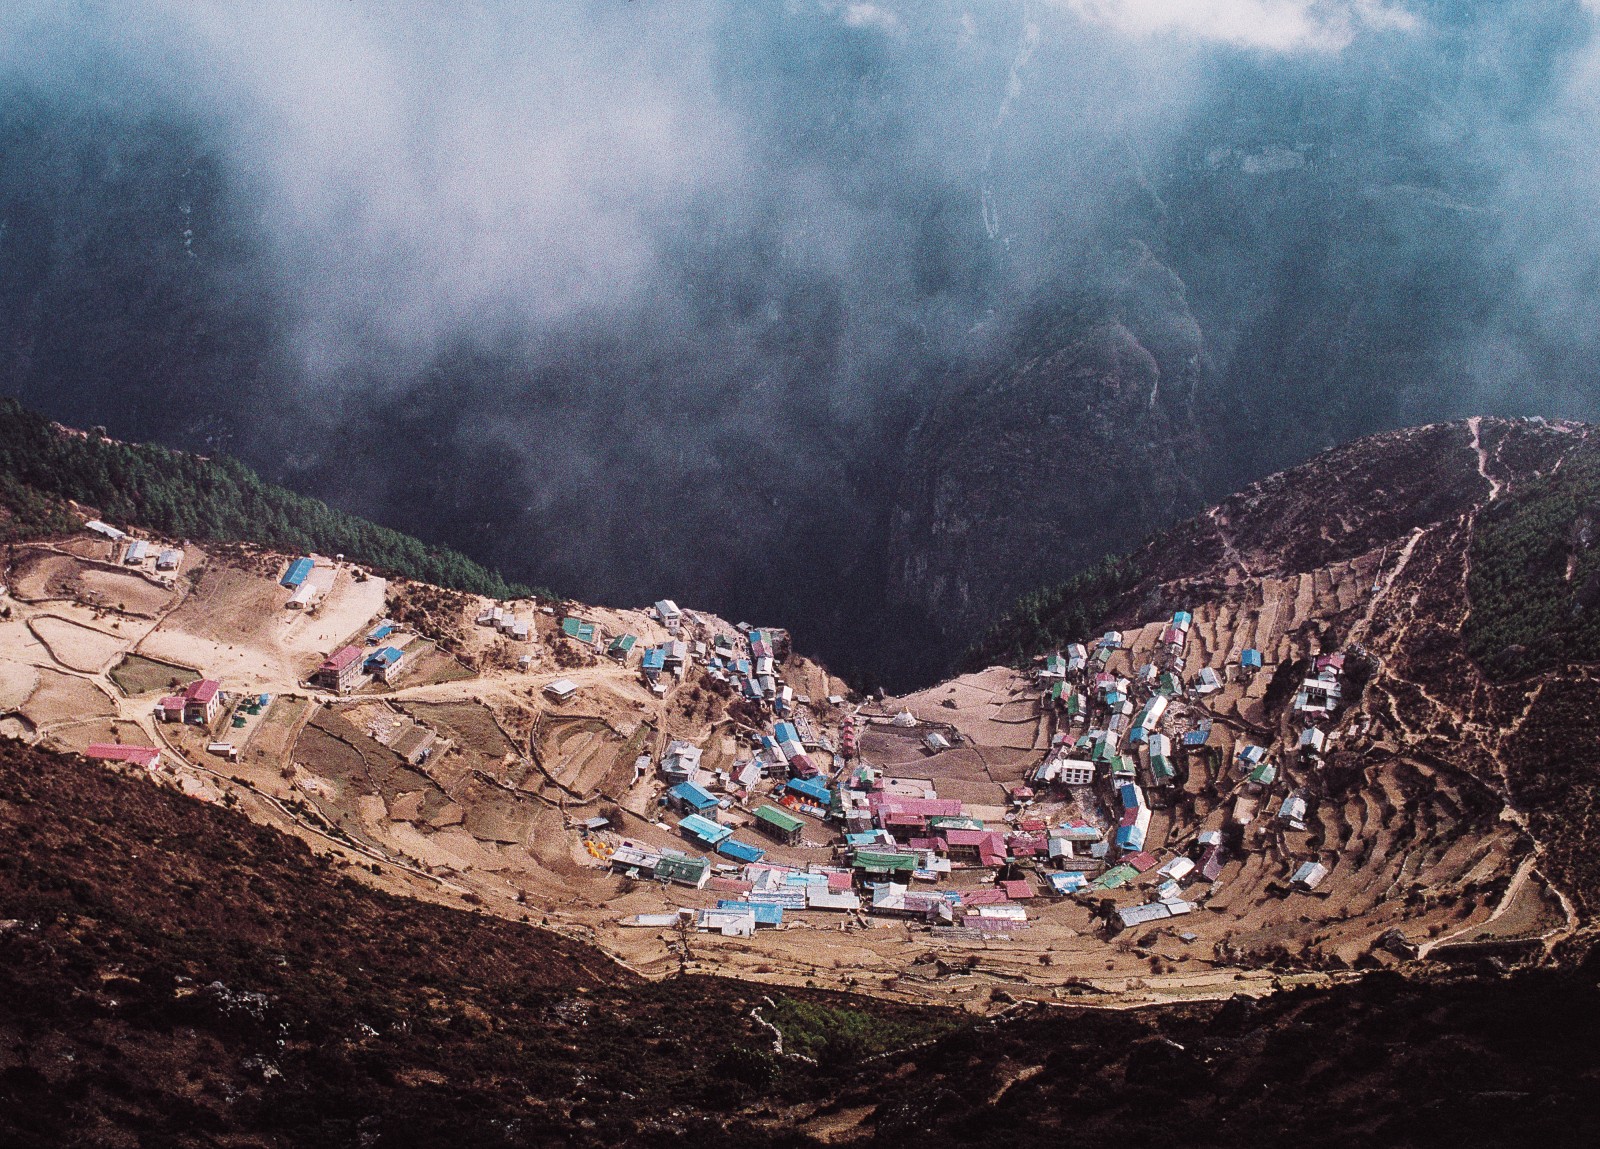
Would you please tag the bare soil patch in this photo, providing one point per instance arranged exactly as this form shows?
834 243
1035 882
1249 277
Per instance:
63 697
580 753
230 606
76 646
42 575
274 734
38 574
427 665
128 593
469 724
17 681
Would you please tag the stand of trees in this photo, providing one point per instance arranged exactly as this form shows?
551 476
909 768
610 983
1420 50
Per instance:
1048 619
1535 576
182 495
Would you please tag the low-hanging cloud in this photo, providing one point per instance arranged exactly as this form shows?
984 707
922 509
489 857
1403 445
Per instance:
1276 25
688 274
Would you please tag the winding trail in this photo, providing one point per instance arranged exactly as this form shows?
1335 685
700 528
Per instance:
1473 425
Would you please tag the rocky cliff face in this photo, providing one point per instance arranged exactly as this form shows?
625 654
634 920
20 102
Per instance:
1022 473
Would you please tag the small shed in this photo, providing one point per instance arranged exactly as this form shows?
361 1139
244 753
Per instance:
1309 876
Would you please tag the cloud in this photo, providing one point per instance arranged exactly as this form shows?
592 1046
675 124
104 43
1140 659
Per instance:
873 16
1275 25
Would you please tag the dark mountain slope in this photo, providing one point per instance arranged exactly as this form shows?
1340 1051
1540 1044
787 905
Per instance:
172 975
1363 497
42 467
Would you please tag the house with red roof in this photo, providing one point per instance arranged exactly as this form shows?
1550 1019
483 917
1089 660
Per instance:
985 847
340 671
201 701
147 756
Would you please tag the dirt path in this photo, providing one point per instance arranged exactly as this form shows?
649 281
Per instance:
1359 631
1473 424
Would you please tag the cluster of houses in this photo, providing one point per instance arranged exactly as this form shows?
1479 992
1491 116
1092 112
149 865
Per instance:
1108 734
382 659
198 704
137 552
1081 823
746 659
506 622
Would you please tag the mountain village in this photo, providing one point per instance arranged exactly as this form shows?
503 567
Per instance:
1141 810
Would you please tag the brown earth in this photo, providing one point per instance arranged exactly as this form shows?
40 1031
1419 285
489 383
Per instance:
170 973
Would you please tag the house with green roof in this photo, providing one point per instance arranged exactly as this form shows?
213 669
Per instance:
621 647
576 628
881 863
685 869
779 825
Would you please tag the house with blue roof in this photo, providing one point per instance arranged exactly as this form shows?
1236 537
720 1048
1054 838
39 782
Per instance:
704 829
654 662
740 851
688 798
384 664
378 633
298 572
814 790
767 916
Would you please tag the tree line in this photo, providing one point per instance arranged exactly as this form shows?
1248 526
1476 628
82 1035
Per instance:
203 498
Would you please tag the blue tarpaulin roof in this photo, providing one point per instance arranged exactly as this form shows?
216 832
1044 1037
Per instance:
384 657
740 851
765 915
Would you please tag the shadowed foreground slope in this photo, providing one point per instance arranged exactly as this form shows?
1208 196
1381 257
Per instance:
172 975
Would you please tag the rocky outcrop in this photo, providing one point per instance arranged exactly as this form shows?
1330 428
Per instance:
1072 446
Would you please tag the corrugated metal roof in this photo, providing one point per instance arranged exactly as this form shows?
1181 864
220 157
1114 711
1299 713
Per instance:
696 796
297 572
704 828
782 819
740 851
